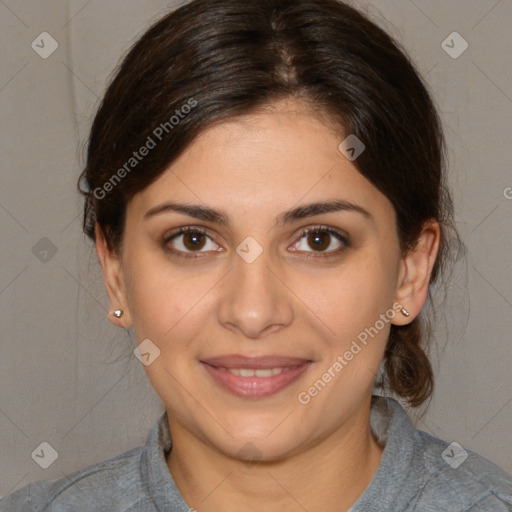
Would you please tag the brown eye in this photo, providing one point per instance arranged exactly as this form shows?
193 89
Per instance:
324 241
318 240
194 241
189 240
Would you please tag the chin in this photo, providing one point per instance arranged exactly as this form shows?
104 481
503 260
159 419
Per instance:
268 443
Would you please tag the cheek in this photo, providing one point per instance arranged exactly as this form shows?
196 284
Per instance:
158 305
357 308
353 298
165 301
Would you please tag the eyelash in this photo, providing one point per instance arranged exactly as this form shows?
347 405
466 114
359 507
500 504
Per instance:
316 229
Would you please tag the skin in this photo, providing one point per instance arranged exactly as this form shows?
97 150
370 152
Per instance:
315 456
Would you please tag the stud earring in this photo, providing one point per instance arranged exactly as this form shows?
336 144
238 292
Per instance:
118 313
405 312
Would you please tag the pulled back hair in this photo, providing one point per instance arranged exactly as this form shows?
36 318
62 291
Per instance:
228 58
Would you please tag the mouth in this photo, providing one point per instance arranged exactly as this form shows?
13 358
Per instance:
255 377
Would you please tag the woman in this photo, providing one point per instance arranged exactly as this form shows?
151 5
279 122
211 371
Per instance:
265 188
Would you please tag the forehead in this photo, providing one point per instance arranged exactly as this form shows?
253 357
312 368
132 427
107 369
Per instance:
264 163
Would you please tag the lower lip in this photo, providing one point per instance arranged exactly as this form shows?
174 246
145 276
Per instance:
255 387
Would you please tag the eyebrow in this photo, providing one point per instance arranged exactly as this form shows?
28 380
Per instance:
220 217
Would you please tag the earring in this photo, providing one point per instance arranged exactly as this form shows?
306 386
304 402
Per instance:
118 313
405 312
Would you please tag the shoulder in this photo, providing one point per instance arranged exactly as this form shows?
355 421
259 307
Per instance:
113 484
421 472
462 478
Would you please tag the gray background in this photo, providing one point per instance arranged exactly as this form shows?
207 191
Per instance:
63 379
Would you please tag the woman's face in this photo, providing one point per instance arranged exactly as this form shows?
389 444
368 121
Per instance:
250 282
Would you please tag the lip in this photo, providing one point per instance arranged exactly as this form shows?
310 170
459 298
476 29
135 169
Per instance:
255 387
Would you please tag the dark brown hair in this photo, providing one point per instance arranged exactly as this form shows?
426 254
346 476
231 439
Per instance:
211 60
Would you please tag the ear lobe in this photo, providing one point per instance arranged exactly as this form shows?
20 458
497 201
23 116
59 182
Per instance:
114 280
415 271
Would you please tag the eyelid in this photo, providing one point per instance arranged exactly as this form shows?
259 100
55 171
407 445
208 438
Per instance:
324 228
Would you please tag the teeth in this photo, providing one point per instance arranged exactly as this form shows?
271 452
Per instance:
260 372
264 372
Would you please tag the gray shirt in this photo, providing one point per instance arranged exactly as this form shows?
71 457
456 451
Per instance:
417 472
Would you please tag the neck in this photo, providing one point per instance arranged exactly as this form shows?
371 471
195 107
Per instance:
328 476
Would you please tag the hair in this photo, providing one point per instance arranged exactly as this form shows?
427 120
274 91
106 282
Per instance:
215 60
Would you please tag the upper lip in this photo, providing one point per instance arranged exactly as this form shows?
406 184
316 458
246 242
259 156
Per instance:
240 361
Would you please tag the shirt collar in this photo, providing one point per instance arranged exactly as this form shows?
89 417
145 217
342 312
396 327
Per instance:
398 465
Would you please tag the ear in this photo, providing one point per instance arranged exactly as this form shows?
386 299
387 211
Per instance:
415 271
114 280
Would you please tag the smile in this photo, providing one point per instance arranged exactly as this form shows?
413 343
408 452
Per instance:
255 383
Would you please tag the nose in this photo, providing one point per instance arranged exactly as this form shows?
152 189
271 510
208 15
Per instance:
254 298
